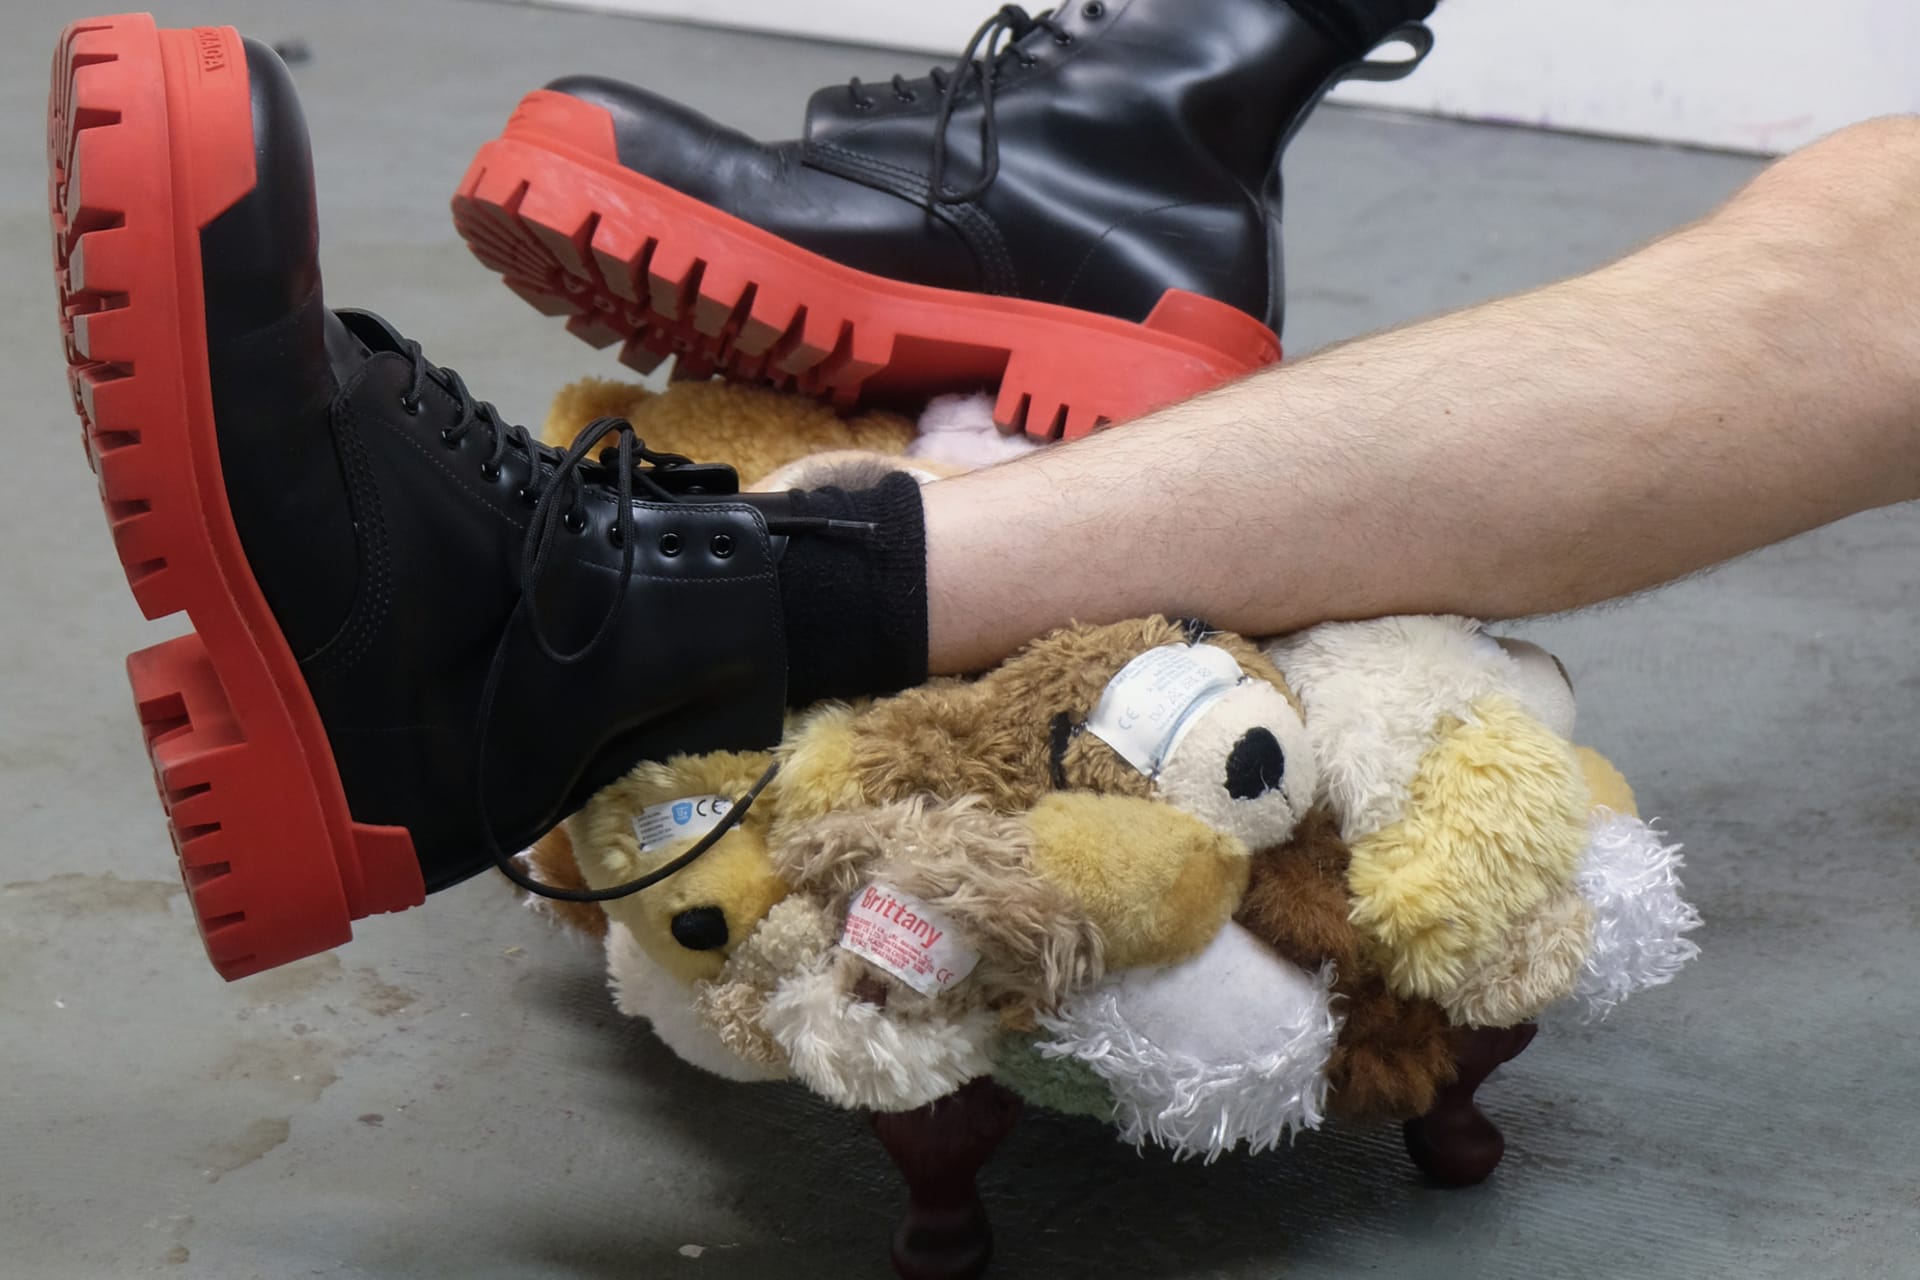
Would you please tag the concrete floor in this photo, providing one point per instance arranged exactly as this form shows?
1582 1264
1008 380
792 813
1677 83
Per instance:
452 1095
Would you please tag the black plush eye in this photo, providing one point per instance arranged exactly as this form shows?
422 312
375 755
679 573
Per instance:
1060 739
1256 765
700 928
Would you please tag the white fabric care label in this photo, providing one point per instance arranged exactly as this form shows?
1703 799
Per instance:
687 818
1149 705
908 939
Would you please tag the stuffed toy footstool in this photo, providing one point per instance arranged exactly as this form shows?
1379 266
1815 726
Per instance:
1209 889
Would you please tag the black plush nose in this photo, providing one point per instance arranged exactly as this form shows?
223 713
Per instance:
1256 765
700 928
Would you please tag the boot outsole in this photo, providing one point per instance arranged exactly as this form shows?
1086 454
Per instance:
628 260
150 137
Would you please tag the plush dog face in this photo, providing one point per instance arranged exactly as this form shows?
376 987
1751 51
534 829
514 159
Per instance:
1224 739
691 921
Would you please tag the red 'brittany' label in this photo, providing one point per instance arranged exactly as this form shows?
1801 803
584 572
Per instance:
907 938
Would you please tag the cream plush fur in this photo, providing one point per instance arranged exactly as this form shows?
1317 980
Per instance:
1375 694
642 989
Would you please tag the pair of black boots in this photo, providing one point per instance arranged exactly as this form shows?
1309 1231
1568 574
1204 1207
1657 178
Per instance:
420 637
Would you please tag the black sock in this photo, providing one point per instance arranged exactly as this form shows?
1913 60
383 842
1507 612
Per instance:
856 603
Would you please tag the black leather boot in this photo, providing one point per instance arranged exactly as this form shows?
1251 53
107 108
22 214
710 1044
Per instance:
388 585
1083 213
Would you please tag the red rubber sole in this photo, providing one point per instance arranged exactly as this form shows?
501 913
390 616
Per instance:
630 261
150 137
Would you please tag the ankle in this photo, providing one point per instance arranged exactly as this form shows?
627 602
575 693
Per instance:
856 602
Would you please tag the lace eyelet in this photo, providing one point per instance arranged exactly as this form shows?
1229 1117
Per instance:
863 104
669 544
909 96
574 521
614 539
722 545
449 439
1093 10
489 471
528 496
1028 60
411 406
1063 38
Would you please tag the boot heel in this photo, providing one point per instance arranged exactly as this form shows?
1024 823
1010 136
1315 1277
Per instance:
262 882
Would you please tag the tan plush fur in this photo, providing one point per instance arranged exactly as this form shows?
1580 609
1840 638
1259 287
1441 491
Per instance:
754 430
1536 963
1392 1053
849 1029
1496 820
1157 882
735 877
976 868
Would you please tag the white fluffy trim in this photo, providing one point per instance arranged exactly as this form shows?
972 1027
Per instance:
1631 878
857 1055
959 430
642 989
1229 1047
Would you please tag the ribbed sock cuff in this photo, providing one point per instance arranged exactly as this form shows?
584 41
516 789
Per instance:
856 604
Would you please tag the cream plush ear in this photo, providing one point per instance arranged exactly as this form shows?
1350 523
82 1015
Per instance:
794 936
858 1054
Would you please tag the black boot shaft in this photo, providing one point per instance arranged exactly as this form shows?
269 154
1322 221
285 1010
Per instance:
260 276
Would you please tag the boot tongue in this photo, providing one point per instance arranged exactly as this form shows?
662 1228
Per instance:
344 351
363 334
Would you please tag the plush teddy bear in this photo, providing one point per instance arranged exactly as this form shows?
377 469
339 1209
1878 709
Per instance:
1115 773
1445 748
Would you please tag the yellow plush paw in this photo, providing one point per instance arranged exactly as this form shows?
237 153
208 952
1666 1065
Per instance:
1157 883
1537 963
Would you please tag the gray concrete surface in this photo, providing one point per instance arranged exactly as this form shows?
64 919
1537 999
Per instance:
452 1095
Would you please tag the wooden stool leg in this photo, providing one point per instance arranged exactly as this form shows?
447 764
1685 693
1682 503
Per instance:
1455 1144
939 1150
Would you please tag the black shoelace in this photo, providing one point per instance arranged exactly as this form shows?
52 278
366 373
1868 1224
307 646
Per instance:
997 38
555 489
